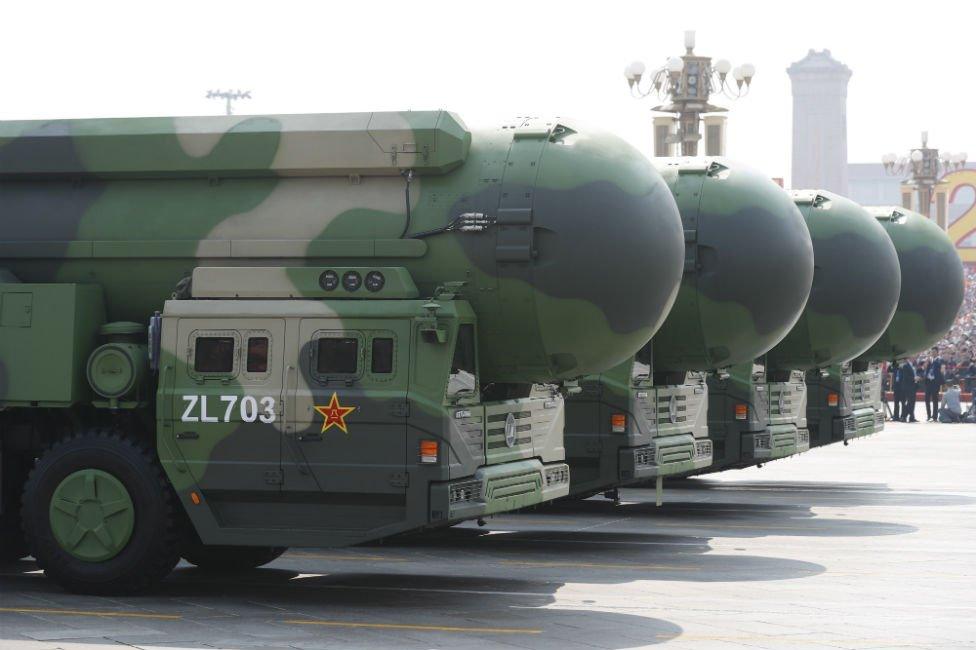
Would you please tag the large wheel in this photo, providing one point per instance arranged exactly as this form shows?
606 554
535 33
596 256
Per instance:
100 516
230 558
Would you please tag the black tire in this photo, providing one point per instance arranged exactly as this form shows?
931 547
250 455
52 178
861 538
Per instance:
153 548
230 558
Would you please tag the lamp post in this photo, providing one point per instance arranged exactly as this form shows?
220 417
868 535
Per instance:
923 166
686 83
229 96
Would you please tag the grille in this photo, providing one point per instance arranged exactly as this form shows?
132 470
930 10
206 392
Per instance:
495 438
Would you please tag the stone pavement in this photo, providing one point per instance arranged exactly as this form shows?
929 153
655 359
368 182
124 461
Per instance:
867 546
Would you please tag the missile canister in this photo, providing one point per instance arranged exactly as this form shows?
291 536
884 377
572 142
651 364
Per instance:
547 223
931 285
855 290
748 266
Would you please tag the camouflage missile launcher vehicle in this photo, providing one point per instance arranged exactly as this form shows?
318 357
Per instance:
855 291
932 285
747 271
223 336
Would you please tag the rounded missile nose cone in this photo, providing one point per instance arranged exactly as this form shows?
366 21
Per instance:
932 284
856 283
609 250
748 268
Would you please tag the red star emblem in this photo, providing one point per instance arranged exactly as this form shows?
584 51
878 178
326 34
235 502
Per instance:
335 414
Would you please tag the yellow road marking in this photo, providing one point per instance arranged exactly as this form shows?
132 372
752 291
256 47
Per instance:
594 565
422 628
345 558
80 612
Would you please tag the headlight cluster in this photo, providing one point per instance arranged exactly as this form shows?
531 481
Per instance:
803 437
463 492
703 448
644 456
763 441
557 475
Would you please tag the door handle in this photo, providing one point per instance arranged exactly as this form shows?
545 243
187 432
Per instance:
187 435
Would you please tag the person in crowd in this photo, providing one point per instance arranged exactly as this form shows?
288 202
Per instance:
894 370
909 388
934 378
951 410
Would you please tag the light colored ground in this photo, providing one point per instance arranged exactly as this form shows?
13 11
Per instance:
867 546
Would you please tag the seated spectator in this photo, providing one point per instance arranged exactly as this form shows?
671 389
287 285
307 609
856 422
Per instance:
951 410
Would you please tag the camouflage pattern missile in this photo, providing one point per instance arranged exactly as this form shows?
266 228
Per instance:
748 266
546 222
932 285
855 288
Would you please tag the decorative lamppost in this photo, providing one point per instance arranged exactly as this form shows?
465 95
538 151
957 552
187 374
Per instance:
229 96
923 167
686 84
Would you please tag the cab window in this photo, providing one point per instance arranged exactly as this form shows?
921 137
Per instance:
214 354
642 364
381 356
464 369
338 356
257 355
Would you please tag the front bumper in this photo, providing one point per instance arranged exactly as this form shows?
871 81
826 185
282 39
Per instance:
778 441
863 422
499 488
665 456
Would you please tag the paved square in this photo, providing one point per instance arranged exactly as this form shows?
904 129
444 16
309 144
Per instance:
867 546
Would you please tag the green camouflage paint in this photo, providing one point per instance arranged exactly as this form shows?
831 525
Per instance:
741 232
529 234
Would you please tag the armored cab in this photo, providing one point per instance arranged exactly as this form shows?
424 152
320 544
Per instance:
747 272
304 329
932 285
855 291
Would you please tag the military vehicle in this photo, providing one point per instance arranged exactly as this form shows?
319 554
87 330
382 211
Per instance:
223 336
747 271
855 291
932 285
758 410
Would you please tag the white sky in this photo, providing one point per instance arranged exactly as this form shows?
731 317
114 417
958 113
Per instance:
492 60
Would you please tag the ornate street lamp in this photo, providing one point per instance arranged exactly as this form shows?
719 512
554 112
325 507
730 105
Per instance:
686 84
922 168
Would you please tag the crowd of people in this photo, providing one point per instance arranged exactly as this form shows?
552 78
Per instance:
944 375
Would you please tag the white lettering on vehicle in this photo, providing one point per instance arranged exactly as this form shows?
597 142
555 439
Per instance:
248 409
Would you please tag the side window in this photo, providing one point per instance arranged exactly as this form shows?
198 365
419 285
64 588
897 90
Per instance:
337 355
381 356
257 354
464 377
213 354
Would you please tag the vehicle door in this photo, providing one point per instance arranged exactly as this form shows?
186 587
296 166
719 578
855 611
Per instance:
226 404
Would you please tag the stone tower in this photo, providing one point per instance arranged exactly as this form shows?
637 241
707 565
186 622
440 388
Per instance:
819 122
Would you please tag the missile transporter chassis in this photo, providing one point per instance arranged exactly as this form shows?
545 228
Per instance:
268 419
622 429
754 418
843 403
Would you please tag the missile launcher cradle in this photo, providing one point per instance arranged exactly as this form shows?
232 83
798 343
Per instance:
223 336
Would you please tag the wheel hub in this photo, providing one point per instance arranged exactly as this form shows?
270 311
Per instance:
92 515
